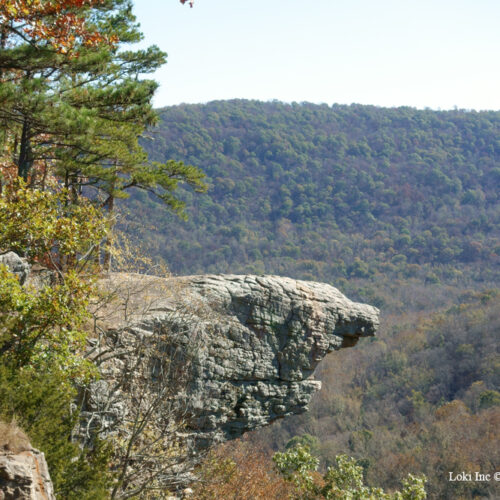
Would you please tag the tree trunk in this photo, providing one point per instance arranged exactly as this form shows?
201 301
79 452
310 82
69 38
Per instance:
106 262
25 161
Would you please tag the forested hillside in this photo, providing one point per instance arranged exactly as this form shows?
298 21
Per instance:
333 192
397 207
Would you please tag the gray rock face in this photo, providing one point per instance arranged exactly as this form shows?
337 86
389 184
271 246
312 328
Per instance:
16 264
257 362
193 361
25 476
255 342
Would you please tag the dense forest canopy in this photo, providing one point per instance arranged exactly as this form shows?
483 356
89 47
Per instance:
313 191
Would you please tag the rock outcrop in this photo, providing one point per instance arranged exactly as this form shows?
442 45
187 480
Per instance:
25 476
187 362
23 470
254 342
16 265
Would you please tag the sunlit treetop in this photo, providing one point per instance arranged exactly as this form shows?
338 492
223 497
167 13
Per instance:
60 23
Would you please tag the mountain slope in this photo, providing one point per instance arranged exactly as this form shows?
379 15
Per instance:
313 191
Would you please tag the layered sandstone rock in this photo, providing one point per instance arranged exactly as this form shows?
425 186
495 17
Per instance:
23 470
255 342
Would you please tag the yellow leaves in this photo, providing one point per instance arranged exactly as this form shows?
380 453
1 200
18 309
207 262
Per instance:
43 328
451 410
60 23
45 227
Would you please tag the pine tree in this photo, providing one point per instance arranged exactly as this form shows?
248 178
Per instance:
78 112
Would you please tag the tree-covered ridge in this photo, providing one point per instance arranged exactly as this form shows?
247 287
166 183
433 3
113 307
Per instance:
344 191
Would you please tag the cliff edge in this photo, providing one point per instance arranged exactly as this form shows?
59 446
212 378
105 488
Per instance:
188 362
253 344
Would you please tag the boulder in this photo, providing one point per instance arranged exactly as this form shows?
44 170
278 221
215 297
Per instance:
23 470
16 265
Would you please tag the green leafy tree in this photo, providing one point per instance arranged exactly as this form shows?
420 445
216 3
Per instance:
311 442
343 482
43 332
40 402
43 328
44 324
297 466
44 227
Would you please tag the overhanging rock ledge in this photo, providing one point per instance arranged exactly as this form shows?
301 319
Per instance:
255 342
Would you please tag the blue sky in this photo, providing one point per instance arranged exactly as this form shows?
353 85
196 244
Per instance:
422 53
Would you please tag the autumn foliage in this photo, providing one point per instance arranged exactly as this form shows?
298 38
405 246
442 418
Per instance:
240 470
62 24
